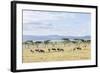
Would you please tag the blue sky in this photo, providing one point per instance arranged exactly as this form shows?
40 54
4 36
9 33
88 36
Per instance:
56 23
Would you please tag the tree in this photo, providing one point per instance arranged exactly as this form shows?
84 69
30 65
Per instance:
37 43
88 41
65 41
46 42
26 44
29 42
82 40
74 42
53 43
79 41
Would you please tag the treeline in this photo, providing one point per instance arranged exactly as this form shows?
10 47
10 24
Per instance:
53 43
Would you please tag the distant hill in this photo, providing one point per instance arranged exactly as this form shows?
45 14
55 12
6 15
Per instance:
52 37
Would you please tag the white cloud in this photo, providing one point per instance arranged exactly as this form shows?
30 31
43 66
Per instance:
51 23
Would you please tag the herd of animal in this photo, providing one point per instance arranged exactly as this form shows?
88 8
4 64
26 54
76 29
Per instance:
52 50
76 46
49 50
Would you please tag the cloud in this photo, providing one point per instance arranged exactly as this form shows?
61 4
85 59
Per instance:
63 23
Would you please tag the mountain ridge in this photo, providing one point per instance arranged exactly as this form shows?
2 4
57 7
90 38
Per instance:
52 37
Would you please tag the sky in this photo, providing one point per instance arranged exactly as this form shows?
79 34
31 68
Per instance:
37 23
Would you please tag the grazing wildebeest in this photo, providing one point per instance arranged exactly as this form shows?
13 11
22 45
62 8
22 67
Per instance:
31 51
42 51
54 49
39 50
77 48
48 50
60 49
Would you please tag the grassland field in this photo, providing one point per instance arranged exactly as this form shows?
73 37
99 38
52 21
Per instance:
69 51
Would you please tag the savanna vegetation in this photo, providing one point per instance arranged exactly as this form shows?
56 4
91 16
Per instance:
56 50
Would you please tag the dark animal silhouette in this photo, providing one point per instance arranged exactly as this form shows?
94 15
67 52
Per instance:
77 48
54 49
39 50
31 51
59 49
48 50
42 51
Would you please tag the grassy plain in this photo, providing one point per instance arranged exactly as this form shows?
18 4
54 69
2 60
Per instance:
69 53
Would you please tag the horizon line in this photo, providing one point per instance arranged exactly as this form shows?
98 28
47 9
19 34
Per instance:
56 35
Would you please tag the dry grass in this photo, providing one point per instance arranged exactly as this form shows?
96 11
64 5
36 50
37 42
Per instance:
67 54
